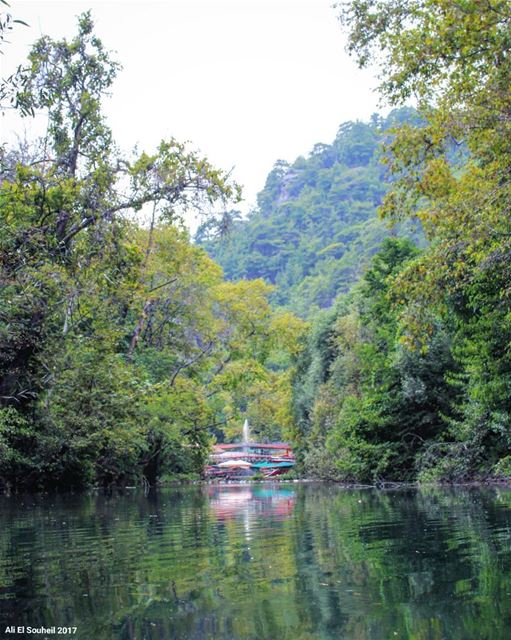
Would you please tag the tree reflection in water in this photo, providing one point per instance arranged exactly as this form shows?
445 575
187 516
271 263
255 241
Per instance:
261 561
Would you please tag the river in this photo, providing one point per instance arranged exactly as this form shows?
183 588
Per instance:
264 561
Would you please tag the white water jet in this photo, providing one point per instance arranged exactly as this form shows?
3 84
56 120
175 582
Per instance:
245 434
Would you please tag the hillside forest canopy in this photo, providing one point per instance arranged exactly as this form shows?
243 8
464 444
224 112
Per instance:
362 310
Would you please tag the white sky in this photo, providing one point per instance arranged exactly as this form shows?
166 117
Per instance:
246 81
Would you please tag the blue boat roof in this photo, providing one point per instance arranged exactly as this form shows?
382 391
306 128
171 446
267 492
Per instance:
272 464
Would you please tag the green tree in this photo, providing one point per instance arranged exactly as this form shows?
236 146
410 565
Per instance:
452 57
375 403
74 275
11 88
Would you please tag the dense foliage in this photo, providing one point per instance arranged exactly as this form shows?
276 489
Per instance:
412 374
366 404
122 350
315 226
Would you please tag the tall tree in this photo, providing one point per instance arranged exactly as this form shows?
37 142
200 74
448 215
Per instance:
71 269
63 207
452 57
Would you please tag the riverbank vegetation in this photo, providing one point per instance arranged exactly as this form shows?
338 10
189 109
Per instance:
124 351
410 375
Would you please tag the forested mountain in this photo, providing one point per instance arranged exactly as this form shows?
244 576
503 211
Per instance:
315 227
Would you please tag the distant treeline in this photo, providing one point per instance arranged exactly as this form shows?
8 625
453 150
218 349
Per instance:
315 227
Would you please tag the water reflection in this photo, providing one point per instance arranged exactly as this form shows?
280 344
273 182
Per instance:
260 561
251 501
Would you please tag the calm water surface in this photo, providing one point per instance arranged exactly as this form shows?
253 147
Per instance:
261 562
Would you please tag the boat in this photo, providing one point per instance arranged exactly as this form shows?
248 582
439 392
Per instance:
246 458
